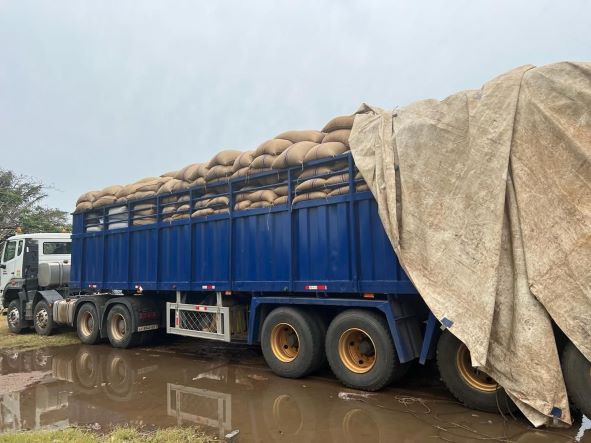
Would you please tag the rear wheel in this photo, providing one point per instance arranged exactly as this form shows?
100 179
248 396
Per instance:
471 386
119 328
87 324
577 376
43 318
292 342
14 317
360 350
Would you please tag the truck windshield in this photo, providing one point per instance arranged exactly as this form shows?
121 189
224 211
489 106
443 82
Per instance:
10 251
56 248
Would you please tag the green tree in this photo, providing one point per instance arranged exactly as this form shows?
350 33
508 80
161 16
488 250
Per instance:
21 208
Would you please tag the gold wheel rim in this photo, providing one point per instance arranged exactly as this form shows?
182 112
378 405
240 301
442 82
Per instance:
474 377
118 326
285 342
357 350
85 323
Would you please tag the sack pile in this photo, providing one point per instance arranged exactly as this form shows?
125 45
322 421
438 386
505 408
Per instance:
287 150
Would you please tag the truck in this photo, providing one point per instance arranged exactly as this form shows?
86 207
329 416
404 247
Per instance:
29 264
312 282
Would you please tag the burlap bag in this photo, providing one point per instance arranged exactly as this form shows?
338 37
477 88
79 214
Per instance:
294 155
302 136
325 150
275 146
341 122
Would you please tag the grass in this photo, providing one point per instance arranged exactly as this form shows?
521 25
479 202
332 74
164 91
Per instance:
120 434
29 339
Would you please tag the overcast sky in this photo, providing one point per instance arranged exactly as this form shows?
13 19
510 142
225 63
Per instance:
94 93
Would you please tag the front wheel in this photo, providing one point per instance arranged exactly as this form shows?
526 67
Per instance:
474 388
43 318
119 328
577 376
14 317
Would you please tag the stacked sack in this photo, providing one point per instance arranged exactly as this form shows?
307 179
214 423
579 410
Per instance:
327 180
287 150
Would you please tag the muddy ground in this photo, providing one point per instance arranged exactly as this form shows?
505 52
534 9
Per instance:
228 390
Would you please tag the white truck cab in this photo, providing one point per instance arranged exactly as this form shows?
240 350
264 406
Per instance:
24 251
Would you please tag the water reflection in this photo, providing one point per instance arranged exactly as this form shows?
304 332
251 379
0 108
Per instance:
103 387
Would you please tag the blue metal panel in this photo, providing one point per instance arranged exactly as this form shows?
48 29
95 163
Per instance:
175 270
261 251
210 244
143 258
116 259
93 247
322 250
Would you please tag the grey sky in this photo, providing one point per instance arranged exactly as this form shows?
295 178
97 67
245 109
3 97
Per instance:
94 93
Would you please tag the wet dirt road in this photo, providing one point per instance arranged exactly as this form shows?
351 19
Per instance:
224 388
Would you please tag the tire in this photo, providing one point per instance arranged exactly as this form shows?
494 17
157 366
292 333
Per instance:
119 328
14 317
291 341
577 376
360 350
87 324
470 386
43 318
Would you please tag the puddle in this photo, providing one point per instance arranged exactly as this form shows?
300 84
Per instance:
225 389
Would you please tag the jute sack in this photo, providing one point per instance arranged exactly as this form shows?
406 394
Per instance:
87 197
261 204
144 221
170 174
144 212
202 212
83 206
325 150
224 158
199 181
221 211
281 191
200 204
311 184
280 200
180 174
345 189
184 198
103 201
294 155
302 136
218 202
322 170
341 135
243 160
309 196
266 180
242 172
168 187
169 199
218 172
341 122
138 195
169 209
109 191
275 146
147 205
262 195
244 204
194 171
263 161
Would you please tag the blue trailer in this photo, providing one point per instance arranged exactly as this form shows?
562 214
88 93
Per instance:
310 281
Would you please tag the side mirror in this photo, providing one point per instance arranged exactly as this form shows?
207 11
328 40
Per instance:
2 266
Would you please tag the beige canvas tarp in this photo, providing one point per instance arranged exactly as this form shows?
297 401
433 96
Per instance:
486 198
